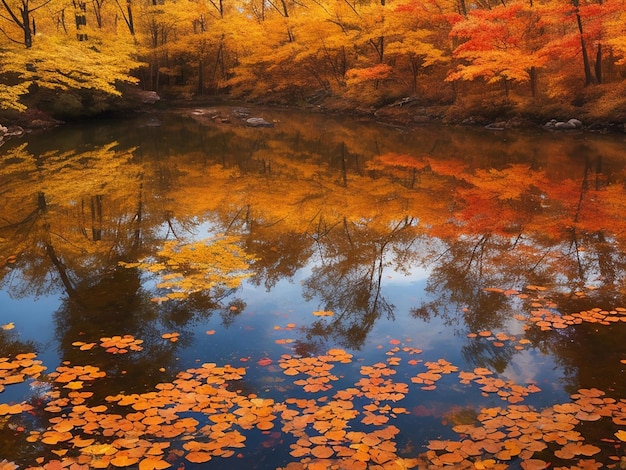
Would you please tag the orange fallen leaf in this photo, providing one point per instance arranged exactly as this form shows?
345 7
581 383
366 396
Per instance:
323 313
265 425
451 458
322 452
74 385
198 457
153 463
124 460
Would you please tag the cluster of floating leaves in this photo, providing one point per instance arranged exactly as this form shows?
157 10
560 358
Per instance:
323 426
316 368
171 337
500 339
114 345
436 370
136 429
520 432
18 369
211 420
546 317
489 384
506 390
201 416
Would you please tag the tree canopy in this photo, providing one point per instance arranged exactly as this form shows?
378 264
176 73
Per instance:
373 52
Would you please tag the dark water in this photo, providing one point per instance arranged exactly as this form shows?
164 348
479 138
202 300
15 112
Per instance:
491 263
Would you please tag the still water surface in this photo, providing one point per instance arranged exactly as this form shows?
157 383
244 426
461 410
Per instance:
451 290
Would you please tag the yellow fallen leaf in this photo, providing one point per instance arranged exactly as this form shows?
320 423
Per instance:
323 313
74 385
621 435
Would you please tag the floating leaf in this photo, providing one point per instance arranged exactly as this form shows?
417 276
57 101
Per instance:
451 458
198 457
534 464
124 460
173 337
153 463
322 452
6 409
323 313
74 385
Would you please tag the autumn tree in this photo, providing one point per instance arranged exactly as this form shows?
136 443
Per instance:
97 65
19 15
63 58
420 38
495 47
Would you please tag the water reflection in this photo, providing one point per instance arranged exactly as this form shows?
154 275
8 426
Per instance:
344 204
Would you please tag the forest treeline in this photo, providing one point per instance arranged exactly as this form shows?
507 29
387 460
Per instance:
493 58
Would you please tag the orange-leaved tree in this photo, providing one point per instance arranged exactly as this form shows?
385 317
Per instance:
497 45
419 38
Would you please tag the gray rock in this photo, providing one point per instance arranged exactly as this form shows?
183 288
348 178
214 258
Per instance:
14 131
550 124
497 126
576 123
149 97
564 125
258 122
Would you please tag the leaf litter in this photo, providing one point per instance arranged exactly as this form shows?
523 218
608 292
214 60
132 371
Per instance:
203 408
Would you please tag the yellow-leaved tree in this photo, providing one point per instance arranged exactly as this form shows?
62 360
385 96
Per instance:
50 55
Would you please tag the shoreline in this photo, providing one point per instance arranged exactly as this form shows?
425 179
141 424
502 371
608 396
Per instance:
406 113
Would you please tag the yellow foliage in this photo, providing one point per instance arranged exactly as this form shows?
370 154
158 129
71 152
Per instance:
61 62
10 95
205 265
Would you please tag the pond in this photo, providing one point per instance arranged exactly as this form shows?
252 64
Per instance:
178 289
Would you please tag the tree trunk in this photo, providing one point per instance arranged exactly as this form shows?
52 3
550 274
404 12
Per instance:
532 73
130 21
80 14
462 7
589 78
28 34
598 64
200 90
